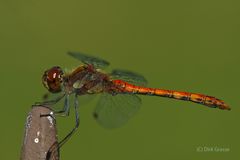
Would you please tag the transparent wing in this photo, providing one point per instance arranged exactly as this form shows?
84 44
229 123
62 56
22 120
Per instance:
114 111
96 62
128 76
85 99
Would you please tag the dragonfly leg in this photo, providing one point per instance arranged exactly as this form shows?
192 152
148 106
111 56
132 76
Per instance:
56 146
66 109
63 112
50 102
54 149
66 138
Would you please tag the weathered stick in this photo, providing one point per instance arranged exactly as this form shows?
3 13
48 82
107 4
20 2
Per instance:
40 138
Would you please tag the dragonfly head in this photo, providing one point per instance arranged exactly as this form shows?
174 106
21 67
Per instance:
52 79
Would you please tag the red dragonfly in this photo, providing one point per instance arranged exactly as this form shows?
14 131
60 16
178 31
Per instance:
119 90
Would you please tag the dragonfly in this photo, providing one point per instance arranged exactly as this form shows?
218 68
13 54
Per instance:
119 91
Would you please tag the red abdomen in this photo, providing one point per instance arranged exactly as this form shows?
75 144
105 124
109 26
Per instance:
209 101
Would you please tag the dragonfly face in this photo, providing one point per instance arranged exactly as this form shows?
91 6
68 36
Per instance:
52 79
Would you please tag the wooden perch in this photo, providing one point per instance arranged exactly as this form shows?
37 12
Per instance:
40 138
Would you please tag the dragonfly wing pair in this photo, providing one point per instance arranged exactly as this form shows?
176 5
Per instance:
128 76
96 62
113 111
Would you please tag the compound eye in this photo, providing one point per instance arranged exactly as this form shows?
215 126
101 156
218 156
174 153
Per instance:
52 79
54 74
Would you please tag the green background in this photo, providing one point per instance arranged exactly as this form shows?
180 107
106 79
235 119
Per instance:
181 45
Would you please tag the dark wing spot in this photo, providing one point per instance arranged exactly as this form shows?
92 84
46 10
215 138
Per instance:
95 115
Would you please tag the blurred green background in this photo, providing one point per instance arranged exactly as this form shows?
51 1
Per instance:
181 45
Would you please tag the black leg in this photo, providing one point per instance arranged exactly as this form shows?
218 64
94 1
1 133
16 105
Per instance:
50 102
66 109
54 149
66 138
56 146
64 112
